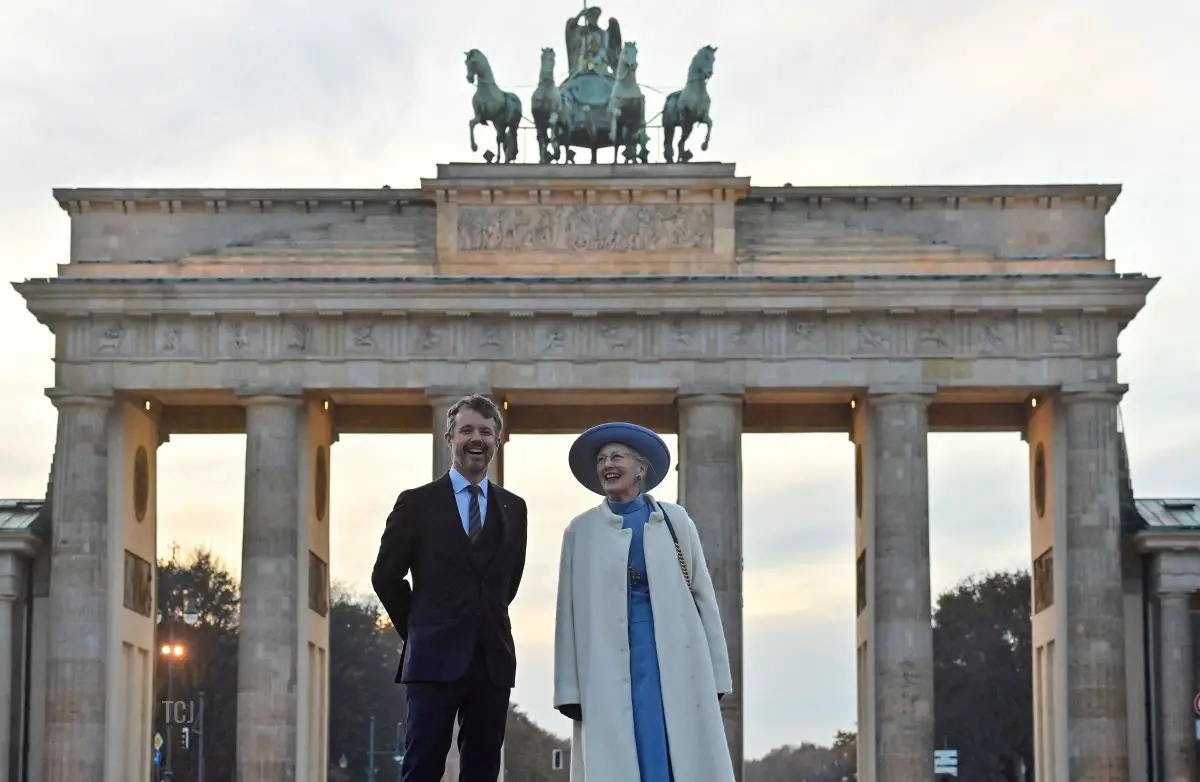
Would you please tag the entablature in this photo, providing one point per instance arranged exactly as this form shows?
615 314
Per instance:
1117 296
944 324
180 200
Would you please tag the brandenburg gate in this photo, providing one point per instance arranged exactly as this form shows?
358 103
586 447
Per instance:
679 296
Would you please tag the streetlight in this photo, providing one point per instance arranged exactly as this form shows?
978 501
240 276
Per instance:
172 653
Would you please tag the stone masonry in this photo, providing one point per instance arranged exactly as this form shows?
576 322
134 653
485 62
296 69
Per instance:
1096 697
902 627
679 296
268 628
76 691
710 486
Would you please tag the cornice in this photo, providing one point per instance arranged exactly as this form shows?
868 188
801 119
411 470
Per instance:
1156 541
217 200
24 543
1120 296
585 182
1096 196
605 177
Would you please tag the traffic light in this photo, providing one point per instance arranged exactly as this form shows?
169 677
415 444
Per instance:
186 738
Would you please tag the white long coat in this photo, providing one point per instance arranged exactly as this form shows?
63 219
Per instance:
591 648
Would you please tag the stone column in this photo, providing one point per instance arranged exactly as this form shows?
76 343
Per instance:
268 642
710 487
496 468
442 458
1175 694
1098 741
902 633
11 593
77 609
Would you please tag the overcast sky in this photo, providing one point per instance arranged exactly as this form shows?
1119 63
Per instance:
360 94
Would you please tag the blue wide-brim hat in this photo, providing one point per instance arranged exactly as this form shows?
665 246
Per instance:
582 457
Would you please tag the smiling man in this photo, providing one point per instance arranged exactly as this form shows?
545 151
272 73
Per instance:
463 539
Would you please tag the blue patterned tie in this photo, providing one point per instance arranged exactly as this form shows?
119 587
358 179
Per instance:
474 522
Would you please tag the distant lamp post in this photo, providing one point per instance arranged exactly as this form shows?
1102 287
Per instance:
173 653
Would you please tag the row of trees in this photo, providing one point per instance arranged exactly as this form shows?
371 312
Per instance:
982 680
198 601
983 691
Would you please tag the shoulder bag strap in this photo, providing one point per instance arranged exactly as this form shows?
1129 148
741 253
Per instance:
683 568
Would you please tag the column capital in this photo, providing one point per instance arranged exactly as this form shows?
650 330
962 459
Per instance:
66 397
710 394
24 545
251 396
1093 392
450 394
12 576
901 393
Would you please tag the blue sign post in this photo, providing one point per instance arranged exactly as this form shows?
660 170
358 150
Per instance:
158 757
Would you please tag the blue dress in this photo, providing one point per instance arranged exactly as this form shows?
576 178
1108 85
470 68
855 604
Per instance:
649 720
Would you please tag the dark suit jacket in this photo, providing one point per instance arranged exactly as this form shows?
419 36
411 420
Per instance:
460 591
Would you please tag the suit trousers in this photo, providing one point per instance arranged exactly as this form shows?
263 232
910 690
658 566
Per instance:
481 707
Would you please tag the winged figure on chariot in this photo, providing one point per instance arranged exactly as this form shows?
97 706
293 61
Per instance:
598 105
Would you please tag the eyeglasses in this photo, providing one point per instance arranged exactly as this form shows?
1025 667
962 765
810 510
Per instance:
616 458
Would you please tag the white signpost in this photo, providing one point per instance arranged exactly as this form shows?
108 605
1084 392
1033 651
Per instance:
945 761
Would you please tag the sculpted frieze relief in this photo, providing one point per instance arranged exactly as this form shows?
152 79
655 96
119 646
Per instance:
617 339
491 339
242 338
586 228
551 339
934 336
871 337
1061 336
298 338
602 337
744 337
362 338
110 338
993 336
431 339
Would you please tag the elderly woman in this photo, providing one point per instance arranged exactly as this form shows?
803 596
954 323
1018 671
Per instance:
639 653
